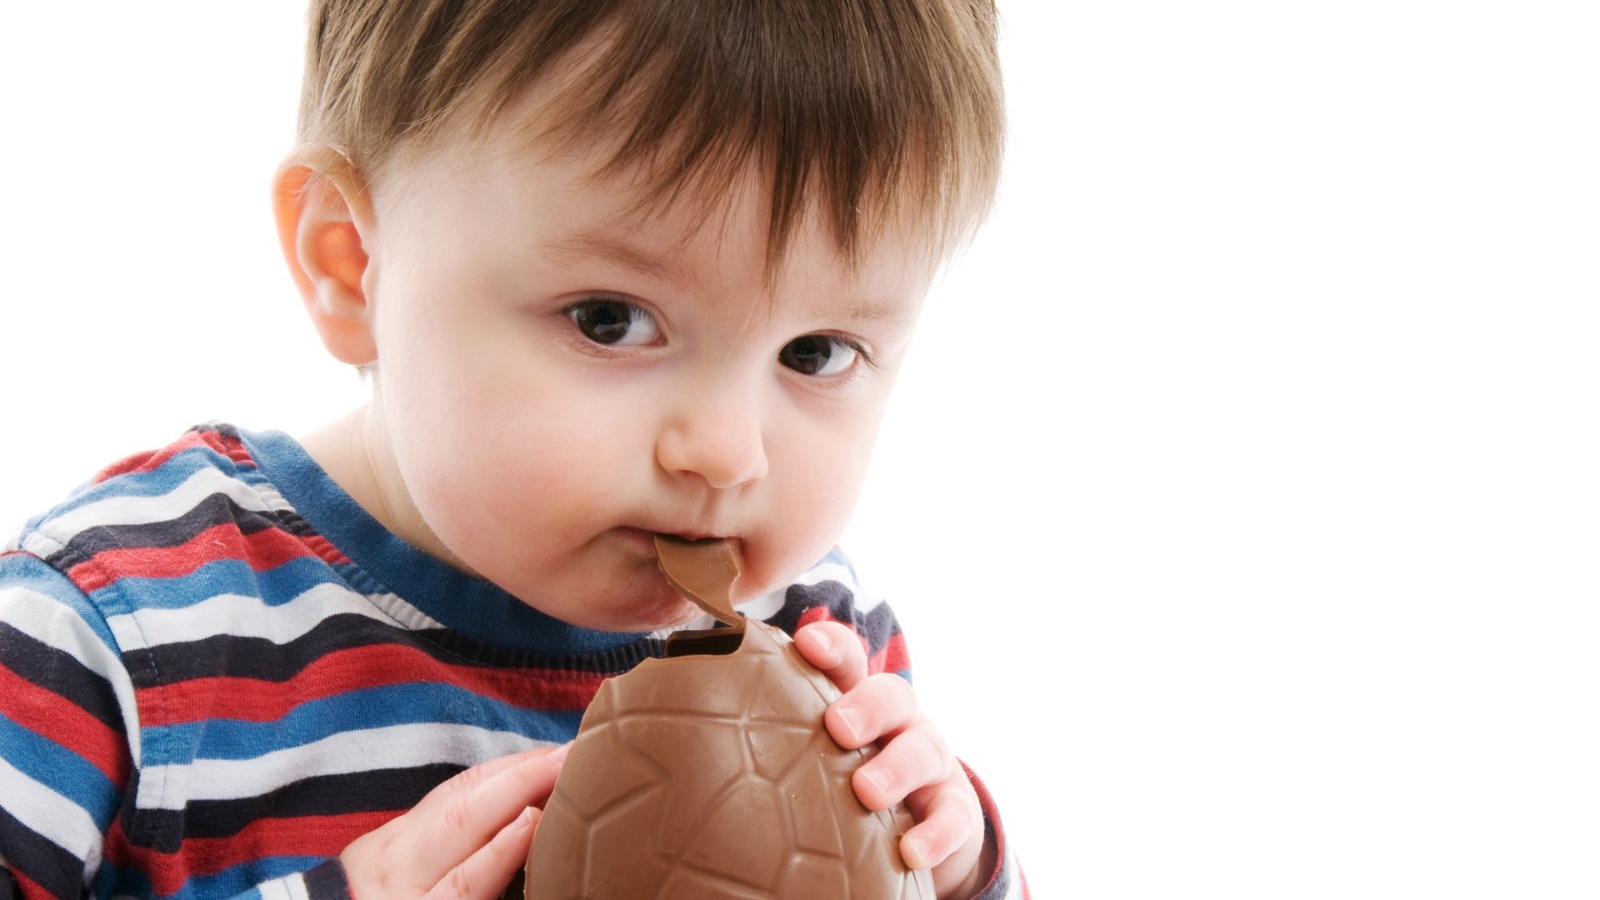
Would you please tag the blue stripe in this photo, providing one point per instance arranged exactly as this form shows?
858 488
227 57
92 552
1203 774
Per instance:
279 585
31 573
376 707
241 880
113 880
836 557
235 882
61 770
161 480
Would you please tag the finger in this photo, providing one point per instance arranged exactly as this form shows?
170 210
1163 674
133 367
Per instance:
836 650
461 815
881 706
917 758
952 822
485 874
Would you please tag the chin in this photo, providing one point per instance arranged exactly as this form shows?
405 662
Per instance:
653 616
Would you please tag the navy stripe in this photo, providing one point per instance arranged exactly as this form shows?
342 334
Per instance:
208 512
60 673
327 881
462 647
382 790
53 868
877 626
264 660
260 658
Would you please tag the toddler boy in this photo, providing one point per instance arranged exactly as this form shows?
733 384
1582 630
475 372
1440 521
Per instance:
614 269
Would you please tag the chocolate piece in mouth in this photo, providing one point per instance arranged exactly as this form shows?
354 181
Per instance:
708 774
703 571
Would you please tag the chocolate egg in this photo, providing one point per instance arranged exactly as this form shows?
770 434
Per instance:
708 774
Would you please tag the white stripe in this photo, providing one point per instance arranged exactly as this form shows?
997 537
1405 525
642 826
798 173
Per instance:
55 818
1014 887
392 747
828 571
242 615
865 601
289 887
135 510
765 606
403 613
44 618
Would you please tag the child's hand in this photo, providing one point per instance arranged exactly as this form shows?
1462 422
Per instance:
465 839
914 765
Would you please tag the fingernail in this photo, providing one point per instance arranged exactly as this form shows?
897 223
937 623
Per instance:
914 850
850 719
877 779
559 753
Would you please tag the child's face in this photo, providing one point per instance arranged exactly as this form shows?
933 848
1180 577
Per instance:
559 379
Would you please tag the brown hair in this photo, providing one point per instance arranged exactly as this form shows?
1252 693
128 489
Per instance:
865 110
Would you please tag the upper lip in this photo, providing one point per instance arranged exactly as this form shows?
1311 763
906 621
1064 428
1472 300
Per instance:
691 535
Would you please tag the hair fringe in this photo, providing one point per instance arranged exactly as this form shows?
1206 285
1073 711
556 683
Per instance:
868 113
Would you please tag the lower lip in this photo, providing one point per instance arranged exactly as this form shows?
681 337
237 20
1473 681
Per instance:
638 537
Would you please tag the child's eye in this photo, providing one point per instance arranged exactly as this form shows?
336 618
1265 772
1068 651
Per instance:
819 354
614 323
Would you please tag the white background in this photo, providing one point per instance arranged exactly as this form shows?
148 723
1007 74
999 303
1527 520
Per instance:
1241 498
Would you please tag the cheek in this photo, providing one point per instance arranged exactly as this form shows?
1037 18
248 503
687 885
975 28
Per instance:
531 471
818 495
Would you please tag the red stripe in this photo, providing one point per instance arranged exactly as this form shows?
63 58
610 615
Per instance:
301 836
991 815
255 700
261 551
151 460
322 836
30 889
892 658
822 614
50 716
324 550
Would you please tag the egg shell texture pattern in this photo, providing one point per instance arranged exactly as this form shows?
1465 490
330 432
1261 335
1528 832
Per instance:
711 777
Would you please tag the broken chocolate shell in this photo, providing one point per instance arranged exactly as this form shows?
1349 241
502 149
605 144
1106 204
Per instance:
709 775
704 573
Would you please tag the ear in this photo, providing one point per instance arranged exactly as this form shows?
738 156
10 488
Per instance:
324 220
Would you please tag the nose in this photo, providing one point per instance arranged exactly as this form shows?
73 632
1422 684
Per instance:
717 439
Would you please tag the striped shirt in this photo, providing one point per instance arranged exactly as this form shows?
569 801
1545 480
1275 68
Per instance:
216 670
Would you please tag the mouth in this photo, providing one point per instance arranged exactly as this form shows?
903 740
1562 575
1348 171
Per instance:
645 537
699 539
689 538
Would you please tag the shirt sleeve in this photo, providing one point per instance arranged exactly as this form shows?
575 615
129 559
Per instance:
1007 882
65 756
838 600
68 738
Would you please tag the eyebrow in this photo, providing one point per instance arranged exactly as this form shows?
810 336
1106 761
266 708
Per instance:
599 245
591 245
870 311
